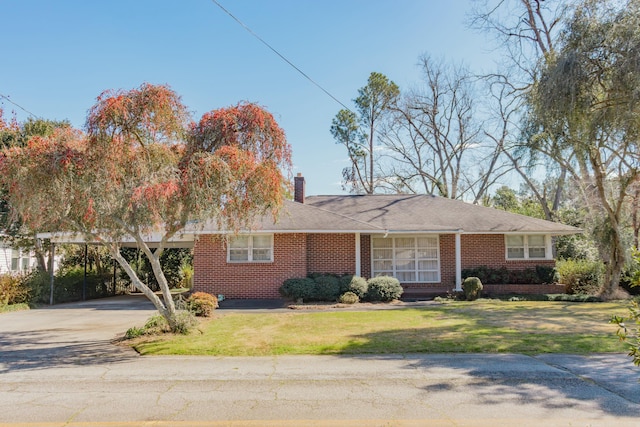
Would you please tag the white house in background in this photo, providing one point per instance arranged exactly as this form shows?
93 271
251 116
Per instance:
14 260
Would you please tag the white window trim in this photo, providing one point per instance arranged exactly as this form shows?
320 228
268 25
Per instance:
250 248
547 248
414 236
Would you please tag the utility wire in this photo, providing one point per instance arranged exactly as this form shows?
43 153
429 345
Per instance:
279 54
19 106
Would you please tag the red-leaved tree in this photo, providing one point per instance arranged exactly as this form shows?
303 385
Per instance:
144 167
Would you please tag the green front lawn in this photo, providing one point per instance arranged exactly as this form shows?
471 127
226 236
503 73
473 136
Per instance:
484 326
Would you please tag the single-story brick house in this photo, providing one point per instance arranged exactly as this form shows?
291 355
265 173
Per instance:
422 240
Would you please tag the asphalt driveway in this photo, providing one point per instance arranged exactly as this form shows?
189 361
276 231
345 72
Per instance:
73 333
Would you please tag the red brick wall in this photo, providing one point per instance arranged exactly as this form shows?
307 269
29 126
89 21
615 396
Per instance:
296 255
331 253
214 275
489 250
365 256
448 260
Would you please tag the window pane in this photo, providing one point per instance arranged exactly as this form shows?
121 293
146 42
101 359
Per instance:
261 254
515 241
515 253
406 265
427 265
406 276
428 253
14 264
25 263
239 254
383 254
428 276
383 265
537 253
536 240
382 243
405 254
239 242
405 242
427 242
262 242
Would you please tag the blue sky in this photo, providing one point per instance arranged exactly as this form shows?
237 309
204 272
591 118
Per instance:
58 56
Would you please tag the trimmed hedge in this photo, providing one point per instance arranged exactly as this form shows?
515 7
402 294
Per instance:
356 284
326 288
202 304
329 287
540 274
383 288
472 287
298 288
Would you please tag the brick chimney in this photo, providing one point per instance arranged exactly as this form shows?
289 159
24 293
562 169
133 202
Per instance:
298 188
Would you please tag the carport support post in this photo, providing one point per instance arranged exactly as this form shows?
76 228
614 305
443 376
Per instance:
458 262
84 278
52 252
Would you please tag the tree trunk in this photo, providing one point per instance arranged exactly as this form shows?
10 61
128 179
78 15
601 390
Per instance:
615 266
38 251
166 308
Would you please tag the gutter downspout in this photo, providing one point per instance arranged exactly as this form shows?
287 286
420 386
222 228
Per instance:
358 256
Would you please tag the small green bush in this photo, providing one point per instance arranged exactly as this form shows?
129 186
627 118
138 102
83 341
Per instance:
298 289
13 289
134 332
157 325
326 288
383 288
185 322
349 298
202 304
581 276
472 287
355 284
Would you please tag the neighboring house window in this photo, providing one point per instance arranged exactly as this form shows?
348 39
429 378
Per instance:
20 261
15 260
408 259
533 246
250 248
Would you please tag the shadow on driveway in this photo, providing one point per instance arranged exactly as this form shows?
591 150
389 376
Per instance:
79 333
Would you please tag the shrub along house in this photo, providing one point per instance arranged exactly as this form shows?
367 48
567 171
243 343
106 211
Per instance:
422 240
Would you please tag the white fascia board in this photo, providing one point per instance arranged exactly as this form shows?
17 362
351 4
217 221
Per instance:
267 231
520 233
79 238
448 231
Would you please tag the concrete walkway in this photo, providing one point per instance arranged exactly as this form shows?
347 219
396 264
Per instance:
58 368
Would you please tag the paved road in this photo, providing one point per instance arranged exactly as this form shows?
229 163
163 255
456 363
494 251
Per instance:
59 373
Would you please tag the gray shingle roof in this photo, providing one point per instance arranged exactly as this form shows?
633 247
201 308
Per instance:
297 217
415 213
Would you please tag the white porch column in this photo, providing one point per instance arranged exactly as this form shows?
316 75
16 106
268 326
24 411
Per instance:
358 260
458 263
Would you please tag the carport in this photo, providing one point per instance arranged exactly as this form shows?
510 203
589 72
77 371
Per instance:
182 241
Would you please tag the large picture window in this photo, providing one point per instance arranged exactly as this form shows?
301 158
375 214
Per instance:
533 246
407 258
250 248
